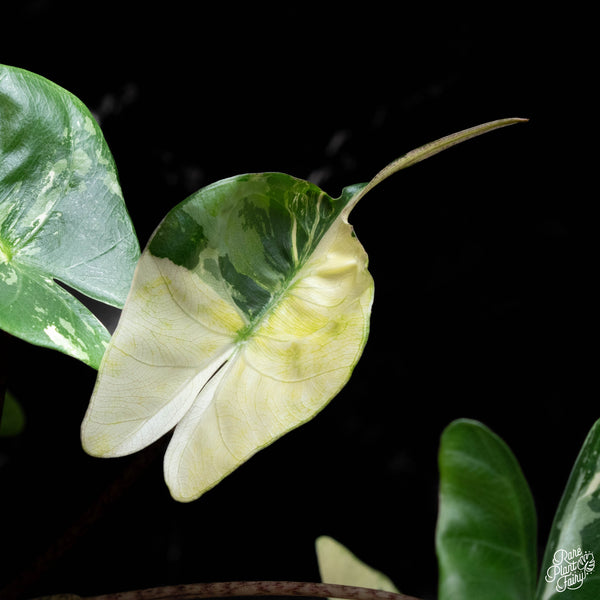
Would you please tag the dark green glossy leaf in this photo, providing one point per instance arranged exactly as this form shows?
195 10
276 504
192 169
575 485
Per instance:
486 530
569 570
62 218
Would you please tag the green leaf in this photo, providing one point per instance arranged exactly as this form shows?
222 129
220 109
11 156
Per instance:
248 311
12 419
486 530
338 565
568 568
62 218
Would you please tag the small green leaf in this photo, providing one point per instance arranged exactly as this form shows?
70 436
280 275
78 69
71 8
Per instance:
12 420
248 311
569 570
338 565
486 530
62 218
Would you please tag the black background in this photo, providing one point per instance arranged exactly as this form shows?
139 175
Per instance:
481 258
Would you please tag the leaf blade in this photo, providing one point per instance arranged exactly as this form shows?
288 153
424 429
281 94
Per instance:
38 310
275 342
183 356
62 215
485 536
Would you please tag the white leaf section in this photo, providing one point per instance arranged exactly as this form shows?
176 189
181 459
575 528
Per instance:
172 336
297 359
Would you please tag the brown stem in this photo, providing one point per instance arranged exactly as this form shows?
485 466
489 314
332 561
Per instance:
230 589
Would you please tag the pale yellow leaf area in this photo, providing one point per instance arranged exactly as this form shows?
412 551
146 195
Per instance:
340 566
176 361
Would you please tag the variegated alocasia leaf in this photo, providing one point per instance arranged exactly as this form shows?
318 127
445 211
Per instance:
248 311
62 218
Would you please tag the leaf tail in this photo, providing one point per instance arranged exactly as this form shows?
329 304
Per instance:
430 149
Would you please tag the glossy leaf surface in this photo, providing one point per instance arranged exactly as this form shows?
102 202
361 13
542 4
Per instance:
486 530
569 568
248 312
338 565
62 218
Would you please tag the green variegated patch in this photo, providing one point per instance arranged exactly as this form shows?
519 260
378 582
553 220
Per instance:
248 311
62 218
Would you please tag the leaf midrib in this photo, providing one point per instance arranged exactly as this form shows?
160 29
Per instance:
288 282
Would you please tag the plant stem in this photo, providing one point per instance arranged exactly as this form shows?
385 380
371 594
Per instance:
229 589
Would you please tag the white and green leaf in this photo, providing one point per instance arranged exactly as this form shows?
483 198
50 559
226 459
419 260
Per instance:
62 218
248 311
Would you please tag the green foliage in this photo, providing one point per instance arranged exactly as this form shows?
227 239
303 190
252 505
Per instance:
576 526
62 218
486 531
